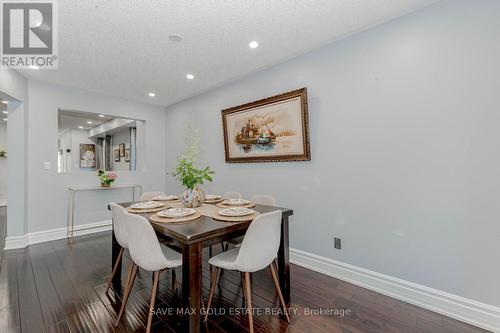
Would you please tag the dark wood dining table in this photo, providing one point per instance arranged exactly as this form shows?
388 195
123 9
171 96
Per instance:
192 237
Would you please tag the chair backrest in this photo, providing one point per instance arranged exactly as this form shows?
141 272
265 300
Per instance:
144 246
261 242
263 199
119 228
232 195
147 196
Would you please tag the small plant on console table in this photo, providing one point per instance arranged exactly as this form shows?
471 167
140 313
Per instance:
106 178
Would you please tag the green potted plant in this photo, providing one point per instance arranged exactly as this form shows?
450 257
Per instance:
106 178
190 177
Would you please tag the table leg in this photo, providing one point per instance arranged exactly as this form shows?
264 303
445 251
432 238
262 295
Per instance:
71 214
191 286
115 250
284 261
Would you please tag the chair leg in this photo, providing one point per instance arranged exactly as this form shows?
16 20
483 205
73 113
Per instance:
248 296
173 279
131 280
224 247
242 278
280 295
153 299
214 280
115 267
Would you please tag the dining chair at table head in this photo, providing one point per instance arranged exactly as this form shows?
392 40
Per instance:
146 253
258 251
261 243
120 231
232 195
263 199
260 199
148 196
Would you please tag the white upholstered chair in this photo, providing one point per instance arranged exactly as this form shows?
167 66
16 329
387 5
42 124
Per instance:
260 199
264 199
231 195
148 196
146 253
120 231
258 250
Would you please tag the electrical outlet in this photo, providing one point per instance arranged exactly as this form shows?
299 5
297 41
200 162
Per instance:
337 243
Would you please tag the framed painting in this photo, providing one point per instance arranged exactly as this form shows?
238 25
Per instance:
87 156
274 129
121 147
117 155
127 155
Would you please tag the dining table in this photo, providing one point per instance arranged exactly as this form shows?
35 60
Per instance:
190 238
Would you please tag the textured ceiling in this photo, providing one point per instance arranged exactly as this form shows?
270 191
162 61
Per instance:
73 119
121 47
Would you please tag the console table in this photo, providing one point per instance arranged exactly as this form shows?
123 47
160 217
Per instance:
72 194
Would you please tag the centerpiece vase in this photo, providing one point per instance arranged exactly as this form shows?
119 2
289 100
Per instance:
192 197
105 185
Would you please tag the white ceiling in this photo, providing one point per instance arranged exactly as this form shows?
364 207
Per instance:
121 47
72 119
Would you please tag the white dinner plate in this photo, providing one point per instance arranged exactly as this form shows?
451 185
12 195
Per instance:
236 202
166 198
212 196
146 205
235 211
176 212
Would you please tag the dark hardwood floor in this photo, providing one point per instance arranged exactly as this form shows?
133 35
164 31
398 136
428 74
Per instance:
60 287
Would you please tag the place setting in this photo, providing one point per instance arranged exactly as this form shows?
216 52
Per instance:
175 215
235 214
146 207
213 198
236 202
167 198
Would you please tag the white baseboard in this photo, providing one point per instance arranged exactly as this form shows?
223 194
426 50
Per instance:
19 242
460 308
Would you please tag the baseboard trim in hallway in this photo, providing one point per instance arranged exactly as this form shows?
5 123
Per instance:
19 242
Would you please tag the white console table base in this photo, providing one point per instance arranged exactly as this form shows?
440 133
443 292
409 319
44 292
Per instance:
71 201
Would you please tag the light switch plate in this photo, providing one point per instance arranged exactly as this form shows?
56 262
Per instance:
47 165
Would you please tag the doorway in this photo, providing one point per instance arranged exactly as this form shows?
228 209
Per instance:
4 117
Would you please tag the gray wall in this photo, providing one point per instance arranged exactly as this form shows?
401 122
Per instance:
404 122
13 87
48 189
3 161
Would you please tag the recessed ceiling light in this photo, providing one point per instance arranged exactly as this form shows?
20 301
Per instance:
190 76
101 116
151 94
5 102
174 38
80 127
34 67
6 112
253 44
5 119
89 122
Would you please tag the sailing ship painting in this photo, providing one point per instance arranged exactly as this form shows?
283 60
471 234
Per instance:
251 135
273 129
